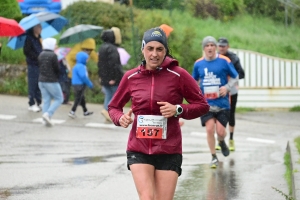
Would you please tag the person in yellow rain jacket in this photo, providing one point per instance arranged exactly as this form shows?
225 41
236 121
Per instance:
88 46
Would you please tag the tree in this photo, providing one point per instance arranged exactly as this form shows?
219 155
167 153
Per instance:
10 9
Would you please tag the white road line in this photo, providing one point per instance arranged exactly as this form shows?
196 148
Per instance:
7 117
198 134
261 140
54 121
100 125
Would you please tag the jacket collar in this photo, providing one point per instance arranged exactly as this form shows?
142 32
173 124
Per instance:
167 63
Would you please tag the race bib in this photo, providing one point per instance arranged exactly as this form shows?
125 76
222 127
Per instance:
151 127
211 92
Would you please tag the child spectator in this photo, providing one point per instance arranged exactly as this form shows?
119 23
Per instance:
80 80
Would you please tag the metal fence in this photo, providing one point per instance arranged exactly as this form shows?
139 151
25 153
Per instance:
267 71
269 82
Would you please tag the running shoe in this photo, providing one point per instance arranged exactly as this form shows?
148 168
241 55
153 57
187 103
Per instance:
47 119
72 114
34 108
231 145
218 147
214 162
87 113
224 148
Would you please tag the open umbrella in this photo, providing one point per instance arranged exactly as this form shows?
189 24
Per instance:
124 55
62 52
79 33
51 25
10 27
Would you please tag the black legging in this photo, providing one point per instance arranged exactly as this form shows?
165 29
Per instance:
79 97
233 102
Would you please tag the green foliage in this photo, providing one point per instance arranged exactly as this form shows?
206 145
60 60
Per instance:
151 4
288 173
10 9
273 9
11 56
159 4
295 109
99 13
203 8
181 48
297 142
229 8
244 109
16 86
218 9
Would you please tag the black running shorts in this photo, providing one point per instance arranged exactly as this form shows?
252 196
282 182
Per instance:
222 116
171 162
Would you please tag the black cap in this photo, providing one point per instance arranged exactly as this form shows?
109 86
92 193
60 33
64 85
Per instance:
155 34
223 41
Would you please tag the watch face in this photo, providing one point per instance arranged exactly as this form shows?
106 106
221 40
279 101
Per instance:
179 110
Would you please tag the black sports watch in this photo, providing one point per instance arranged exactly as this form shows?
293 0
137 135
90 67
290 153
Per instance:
179 110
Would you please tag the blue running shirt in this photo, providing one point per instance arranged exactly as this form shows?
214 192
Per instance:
213 75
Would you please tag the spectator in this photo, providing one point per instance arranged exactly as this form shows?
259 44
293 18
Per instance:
48 80
109 66
80 80
88 46
32 49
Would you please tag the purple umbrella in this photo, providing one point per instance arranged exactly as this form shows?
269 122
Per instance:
124 55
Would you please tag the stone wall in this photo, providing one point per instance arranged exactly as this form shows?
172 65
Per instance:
11 71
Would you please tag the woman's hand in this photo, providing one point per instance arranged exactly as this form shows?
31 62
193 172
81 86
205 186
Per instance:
112 82
166 109
125 120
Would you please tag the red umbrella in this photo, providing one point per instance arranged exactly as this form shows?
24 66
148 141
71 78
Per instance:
10 27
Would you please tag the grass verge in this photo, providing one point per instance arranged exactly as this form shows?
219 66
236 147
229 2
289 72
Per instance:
295 109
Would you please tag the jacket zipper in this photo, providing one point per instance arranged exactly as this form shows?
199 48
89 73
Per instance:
151 107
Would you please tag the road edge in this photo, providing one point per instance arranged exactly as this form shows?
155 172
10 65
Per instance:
295 167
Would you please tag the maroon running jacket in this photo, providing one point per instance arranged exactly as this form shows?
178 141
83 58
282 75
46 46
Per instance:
168 83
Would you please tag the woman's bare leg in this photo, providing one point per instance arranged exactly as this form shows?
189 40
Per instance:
165 184
143 176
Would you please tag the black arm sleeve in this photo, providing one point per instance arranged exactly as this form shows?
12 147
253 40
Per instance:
238 67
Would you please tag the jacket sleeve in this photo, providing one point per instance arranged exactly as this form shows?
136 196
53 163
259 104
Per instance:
29 50
119 100
238 67
114 58
197 104
55 65
84 77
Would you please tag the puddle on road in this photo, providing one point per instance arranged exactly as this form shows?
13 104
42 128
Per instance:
90 159
84 160
209 184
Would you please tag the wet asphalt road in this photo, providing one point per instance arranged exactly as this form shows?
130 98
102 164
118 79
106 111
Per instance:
85 158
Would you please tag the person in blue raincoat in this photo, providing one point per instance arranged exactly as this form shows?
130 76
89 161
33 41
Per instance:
80 80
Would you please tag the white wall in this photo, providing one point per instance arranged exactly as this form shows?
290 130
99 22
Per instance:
269 81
